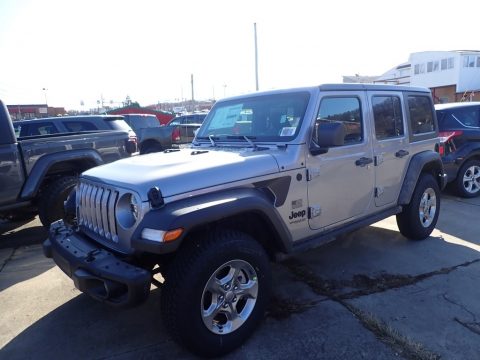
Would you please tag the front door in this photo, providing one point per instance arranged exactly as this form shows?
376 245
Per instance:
341 181
390 145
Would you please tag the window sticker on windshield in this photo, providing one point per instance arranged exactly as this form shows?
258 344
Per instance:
288 131
226 117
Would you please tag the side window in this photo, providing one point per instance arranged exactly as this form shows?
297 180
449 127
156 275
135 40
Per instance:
38 129
345 110
468 116
194 120
421 116
76 126
17 128
387 113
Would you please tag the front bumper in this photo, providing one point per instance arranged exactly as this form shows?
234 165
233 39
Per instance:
96 271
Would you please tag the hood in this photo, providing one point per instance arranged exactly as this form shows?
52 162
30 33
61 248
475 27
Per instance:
182 171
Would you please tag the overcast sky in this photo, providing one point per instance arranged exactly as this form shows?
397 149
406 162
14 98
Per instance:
81 50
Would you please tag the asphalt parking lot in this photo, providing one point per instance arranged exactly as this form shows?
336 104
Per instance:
369 295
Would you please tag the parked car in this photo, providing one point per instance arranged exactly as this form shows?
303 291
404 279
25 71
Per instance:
75 124
310 164
39 169
459 125
141 121
153 137
187 125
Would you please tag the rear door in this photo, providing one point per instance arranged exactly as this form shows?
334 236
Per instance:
390 145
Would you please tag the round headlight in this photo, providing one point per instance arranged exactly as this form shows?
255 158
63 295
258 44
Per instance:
128 208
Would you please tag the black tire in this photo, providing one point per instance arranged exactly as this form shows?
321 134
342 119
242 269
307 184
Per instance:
425 200
185 294
151 148
51 199
467 183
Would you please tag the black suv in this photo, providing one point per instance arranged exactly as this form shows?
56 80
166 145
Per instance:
459 125
75 124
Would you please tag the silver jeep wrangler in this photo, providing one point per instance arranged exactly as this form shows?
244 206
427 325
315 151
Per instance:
268 174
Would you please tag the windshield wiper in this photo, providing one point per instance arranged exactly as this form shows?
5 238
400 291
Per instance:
209 137
249 140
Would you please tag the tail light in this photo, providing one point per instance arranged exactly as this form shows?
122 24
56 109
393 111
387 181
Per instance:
446 144
132 145
176 134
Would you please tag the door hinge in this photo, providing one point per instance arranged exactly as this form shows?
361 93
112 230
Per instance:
379 191
314 211
312 173
378 159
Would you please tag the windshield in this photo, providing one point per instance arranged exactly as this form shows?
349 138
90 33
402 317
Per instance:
263 118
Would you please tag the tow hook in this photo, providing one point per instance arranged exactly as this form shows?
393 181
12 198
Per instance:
91 255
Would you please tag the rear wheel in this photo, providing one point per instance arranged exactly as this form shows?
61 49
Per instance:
151 148
467 183
419 217
216 292
50 202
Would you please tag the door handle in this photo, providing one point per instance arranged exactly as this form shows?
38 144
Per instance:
401 153
363 161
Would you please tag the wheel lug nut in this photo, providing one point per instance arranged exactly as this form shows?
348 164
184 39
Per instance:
225 305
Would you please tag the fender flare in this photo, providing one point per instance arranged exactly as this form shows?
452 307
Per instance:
427 159
192 212
44 164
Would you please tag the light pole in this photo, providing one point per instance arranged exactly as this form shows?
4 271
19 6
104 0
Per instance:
256 56
45 94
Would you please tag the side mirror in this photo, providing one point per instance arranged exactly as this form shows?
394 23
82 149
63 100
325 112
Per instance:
327 135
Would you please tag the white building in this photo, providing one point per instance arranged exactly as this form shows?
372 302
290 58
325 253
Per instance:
451 75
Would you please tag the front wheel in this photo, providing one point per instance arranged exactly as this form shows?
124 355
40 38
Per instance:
216 291
418 219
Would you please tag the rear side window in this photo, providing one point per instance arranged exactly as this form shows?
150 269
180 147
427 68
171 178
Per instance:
345 110
118 125
421 114
45 128
387 113
467 116
140 122
76 126
196 119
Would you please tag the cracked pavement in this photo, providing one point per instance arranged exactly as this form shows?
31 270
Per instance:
371 294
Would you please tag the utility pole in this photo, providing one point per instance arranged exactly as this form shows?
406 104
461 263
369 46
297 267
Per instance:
193 98
256 55
45 95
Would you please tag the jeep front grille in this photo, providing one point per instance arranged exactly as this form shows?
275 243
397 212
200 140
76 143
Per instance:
96 210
